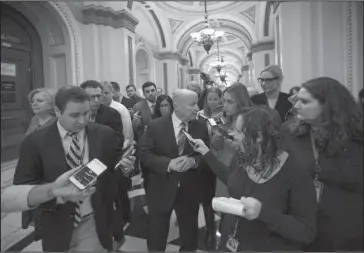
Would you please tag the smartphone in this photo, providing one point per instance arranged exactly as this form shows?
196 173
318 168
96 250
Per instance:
189 138
202 117
216 121
225 133
87 175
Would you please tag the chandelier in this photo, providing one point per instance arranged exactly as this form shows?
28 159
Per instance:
222 75
206 36
219 64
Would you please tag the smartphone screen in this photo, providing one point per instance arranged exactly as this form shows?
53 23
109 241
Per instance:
88 174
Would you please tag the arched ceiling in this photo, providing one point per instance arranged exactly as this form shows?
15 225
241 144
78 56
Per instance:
197 7
238 19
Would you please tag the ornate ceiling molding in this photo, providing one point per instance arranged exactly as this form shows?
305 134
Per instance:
249 14
106 16
193 71
171 56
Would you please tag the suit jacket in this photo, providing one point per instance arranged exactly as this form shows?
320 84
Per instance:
282 105
42 160
159 147
110 117
127 102
146 115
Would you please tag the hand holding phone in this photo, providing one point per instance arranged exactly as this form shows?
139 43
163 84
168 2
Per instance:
87 175
225 133
190 139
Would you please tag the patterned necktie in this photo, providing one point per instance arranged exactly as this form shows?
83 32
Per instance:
152 109
181 138
73 158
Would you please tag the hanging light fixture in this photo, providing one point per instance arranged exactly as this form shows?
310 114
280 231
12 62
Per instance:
206 36
222 75
219 64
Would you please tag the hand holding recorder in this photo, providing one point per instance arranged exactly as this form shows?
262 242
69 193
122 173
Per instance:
126 163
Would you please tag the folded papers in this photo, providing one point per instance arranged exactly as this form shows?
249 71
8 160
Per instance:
228 205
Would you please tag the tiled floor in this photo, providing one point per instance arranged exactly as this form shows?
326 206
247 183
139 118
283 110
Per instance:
138 244
12 234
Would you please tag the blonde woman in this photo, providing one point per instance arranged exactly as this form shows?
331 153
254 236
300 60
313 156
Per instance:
42 103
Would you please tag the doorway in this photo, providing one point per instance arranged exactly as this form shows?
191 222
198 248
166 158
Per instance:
19 67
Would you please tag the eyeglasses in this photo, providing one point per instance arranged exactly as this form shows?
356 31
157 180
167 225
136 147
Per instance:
93 97
266 80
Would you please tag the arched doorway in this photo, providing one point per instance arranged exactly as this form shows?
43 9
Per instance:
21 71
143 67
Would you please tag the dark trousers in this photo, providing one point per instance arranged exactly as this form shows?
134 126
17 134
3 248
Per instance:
187 216
209 189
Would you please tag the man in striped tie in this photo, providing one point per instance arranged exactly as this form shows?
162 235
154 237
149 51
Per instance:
71 220
174 172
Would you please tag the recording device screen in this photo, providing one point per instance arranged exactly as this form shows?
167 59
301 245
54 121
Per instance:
216 121
88 174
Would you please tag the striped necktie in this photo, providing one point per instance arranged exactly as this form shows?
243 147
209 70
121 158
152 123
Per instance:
73 158
181 138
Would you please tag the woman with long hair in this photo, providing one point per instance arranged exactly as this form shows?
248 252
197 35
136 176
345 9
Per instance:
236 100
327 138
278 195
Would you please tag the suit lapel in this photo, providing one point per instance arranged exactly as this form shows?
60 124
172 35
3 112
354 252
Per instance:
168 135
92 142
55 151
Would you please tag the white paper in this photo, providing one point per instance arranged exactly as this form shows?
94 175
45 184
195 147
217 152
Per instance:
227 205
8 69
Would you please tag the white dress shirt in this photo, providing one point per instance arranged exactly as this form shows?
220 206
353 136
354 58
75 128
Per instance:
15 198
151 106
126 120
177 126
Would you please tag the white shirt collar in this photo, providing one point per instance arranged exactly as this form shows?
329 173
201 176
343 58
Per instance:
63 132
176 121
150 104
113 102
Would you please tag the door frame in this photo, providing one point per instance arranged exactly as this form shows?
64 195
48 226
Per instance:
36 55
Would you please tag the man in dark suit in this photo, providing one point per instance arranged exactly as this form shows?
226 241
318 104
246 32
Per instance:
103 114
71 219
271 79
110 117
118 97
146 109
174 172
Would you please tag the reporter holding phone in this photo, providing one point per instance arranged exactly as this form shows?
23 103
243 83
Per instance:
80 220
279 197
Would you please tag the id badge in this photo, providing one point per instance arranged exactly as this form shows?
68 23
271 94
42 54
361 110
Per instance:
319 186
232 244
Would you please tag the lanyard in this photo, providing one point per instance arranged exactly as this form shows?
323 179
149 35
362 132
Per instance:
317 167
251 190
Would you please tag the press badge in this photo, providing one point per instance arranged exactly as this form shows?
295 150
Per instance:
232 244
319 186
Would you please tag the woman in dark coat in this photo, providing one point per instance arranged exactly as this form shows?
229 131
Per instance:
327 139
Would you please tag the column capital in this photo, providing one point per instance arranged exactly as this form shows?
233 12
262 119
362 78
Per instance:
183 60
106 16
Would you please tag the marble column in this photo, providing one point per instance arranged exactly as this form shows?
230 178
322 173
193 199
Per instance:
109 50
